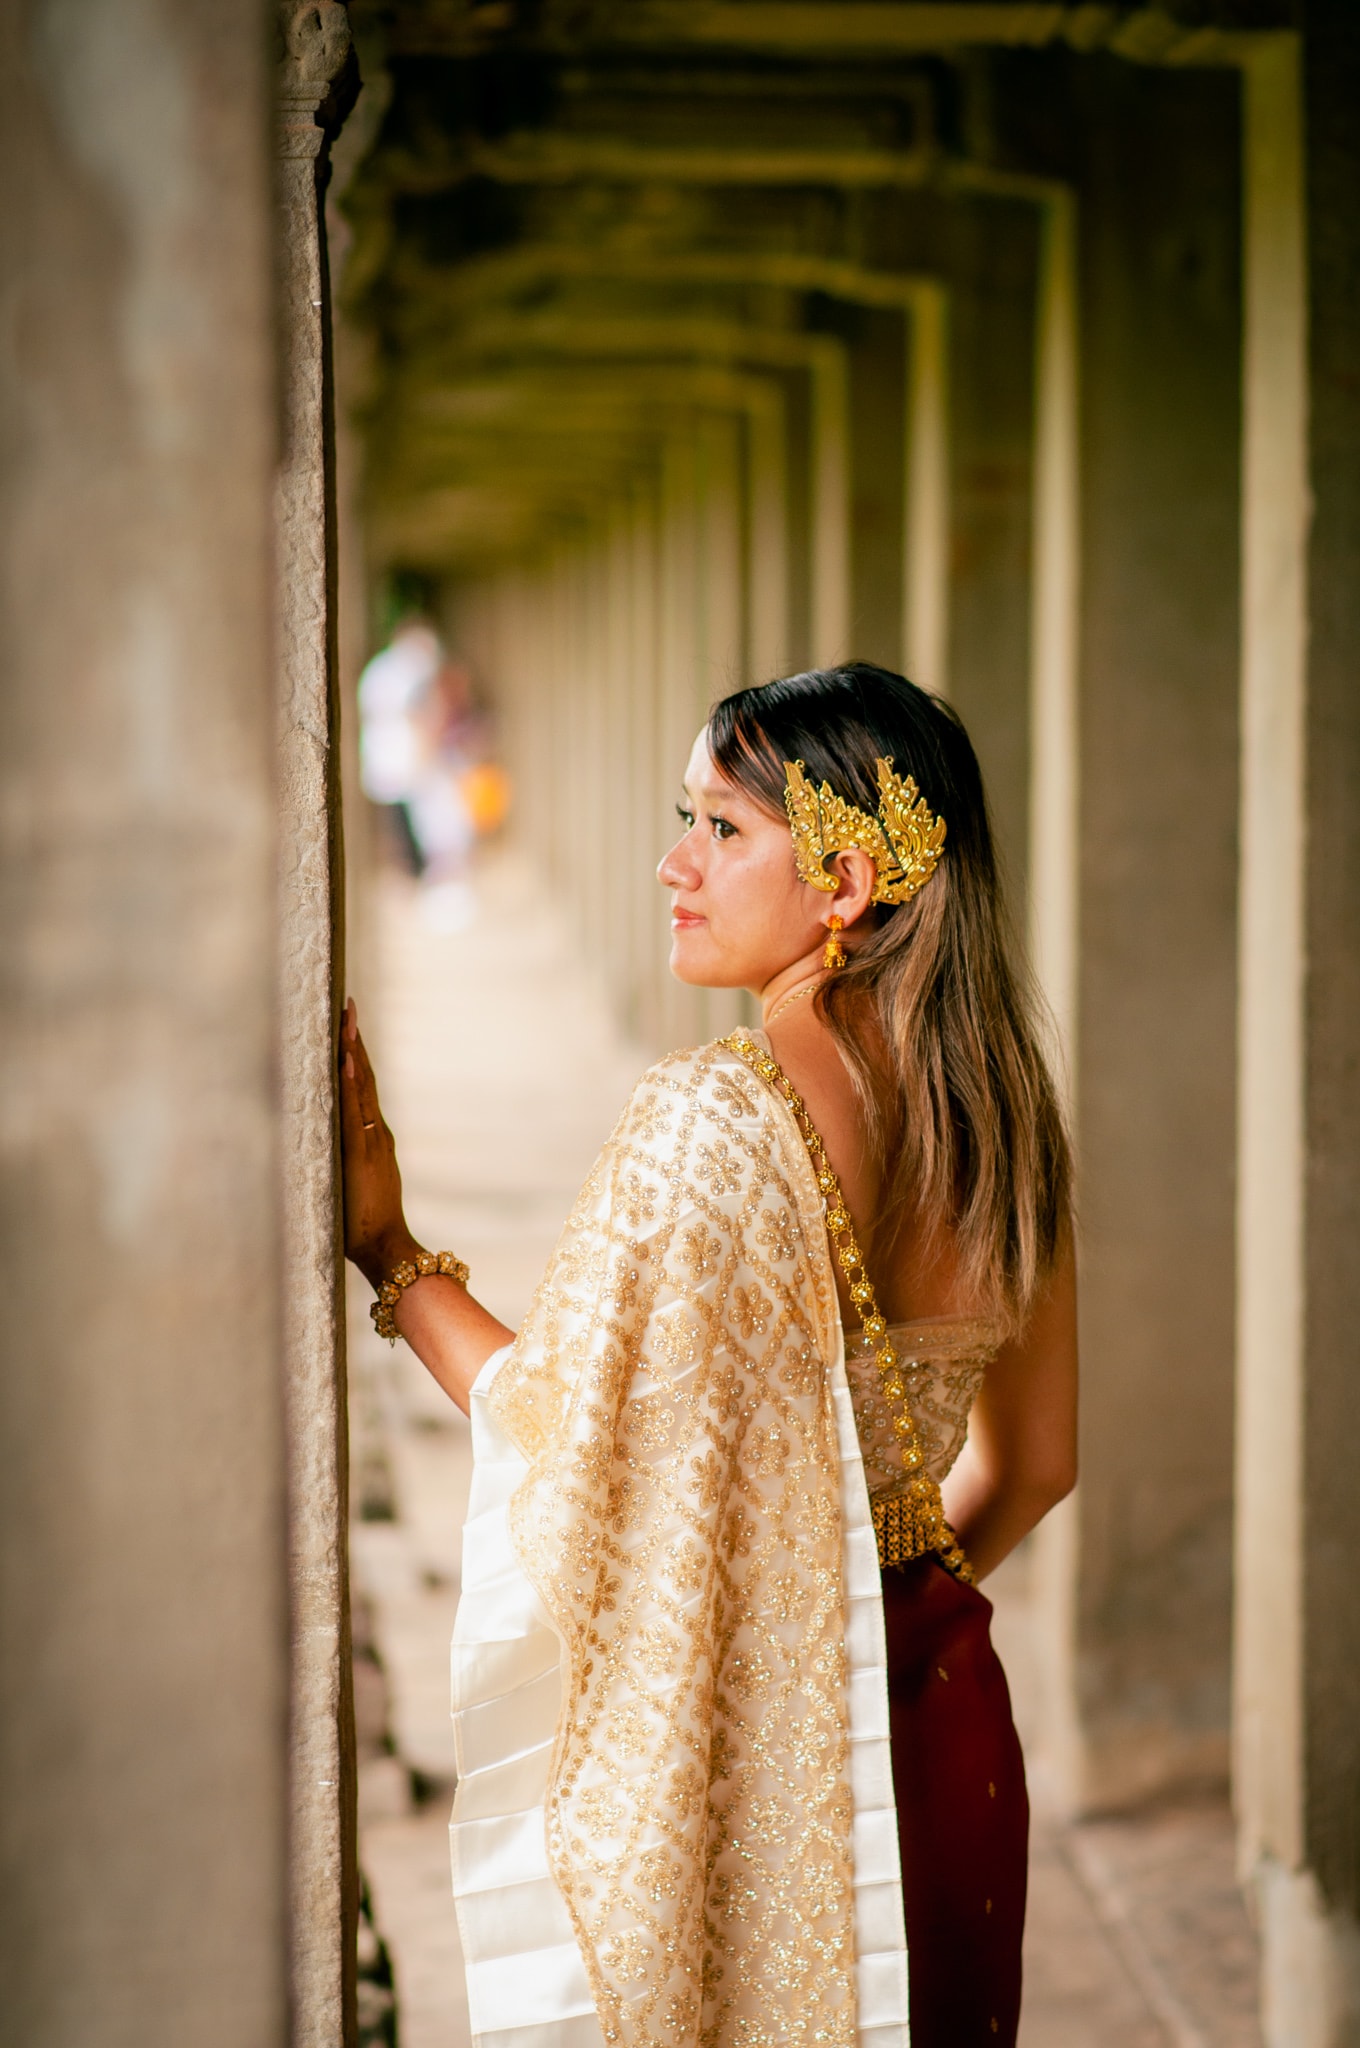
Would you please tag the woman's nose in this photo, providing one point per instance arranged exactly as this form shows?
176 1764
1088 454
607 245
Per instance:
677 871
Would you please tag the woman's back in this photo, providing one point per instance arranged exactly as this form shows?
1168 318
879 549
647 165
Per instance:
913 1262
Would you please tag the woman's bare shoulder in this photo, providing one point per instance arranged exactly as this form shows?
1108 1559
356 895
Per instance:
807 1051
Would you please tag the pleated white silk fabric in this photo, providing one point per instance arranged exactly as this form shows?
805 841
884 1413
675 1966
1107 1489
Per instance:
544 1969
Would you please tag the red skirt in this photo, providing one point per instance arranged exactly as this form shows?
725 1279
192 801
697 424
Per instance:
962 1810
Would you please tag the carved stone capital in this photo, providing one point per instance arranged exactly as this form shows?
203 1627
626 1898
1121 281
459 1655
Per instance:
314 47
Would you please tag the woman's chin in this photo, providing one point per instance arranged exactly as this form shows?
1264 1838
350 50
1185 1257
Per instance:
696 967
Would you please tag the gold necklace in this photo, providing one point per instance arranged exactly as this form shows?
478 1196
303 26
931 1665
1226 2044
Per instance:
911 1523
787 1002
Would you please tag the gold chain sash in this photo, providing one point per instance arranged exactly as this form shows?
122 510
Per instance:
910 1522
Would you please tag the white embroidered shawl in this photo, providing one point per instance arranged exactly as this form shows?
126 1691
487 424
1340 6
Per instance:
675 1821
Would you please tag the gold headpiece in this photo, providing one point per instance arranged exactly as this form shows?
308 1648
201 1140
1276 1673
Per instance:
904 840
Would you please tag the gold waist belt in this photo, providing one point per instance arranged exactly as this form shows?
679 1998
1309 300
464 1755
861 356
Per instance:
912 1524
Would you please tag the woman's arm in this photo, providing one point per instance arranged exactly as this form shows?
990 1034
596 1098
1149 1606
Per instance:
1021 1455
450 1333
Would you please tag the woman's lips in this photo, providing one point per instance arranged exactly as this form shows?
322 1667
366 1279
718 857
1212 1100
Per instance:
686 921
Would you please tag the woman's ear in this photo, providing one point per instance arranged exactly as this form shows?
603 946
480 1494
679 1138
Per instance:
856 876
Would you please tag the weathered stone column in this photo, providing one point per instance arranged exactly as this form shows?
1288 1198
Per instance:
925 494
143 1676
829 512
1297 1734
1134 853
315 49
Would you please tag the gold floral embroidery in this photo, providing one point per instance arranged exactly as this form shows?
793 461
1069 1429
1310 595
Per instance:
732 1093
582 1262
721 1756
630 1955
724 1391
777 1235
637 1201
708 1480
687 1569
739 1535
788 1596
626 1505
717 1168
700 1251
679 2014
670 1392
751 1311
678 1342
659 1875
656 1649
650 1117
649 1424
628 1729
599 1810
730 1899
768 1451
624 1296
747 1677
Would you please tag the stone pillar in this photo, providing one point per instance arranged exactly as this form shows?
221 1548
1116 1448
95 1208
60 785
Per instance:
673 1014
648 806
315 48
880 452
1298 1510
767 563
829 509
143 1677
718 669
1053 863
990 541
1144 1605
925 512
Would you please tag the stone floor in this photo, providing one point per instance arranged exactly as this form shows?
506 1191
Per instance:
502 1072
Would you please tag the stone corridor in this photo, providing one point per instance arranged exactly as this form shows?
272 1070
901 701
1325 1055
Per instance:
502 1071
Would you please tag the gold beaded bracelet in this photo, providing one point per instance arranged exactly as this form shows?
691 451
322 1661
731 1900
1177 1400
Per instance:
401 1277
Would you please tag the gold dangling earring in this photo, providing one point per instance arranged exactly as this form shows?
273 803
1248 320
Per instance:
833 952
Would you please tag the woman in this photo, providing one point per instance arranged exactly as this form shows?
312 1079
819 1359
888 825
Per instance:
737 1761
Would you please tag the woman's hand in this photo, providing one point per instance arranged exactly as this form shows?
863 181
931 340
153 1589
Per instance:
450 1333
376 1237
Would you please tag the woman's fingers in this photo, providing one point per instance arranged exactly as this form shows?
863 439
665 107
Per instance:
359 1114
366 1087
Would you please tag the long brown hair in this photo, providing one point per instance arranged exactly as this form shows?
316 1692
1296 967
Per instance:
934 1016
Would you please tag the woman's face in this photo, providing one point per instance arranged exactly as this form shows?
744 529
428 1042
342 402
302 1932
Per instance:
739 913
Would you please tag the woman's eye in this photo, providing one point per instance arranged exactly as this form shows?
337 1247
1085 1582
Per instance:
686 817
721 828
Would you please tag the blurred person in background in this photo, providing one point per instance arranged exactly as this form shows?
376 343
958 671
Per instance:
391 690
425 760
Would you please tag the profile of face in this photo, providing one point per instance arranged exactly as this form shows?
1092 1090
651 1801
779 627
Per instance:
741 915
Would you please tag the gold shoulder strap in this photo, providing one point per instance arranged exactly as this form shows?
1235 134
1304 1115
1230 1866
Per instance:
911 1522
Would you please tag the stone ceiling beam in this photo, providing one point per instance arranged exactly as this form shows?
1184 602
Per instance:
529 263
539 157
536 413
822 357
810 29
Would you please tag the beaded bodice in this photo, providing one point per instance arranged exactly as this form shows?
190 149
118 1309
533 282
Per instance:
942 1363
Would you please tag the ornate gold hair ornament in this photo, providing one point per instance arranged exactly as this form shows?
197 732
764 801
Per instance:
904 840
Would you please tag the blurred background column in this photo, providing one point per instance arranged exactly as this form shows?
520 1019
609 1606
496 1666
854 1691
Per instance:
1297 1776
143 1638
1134 633
314 86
